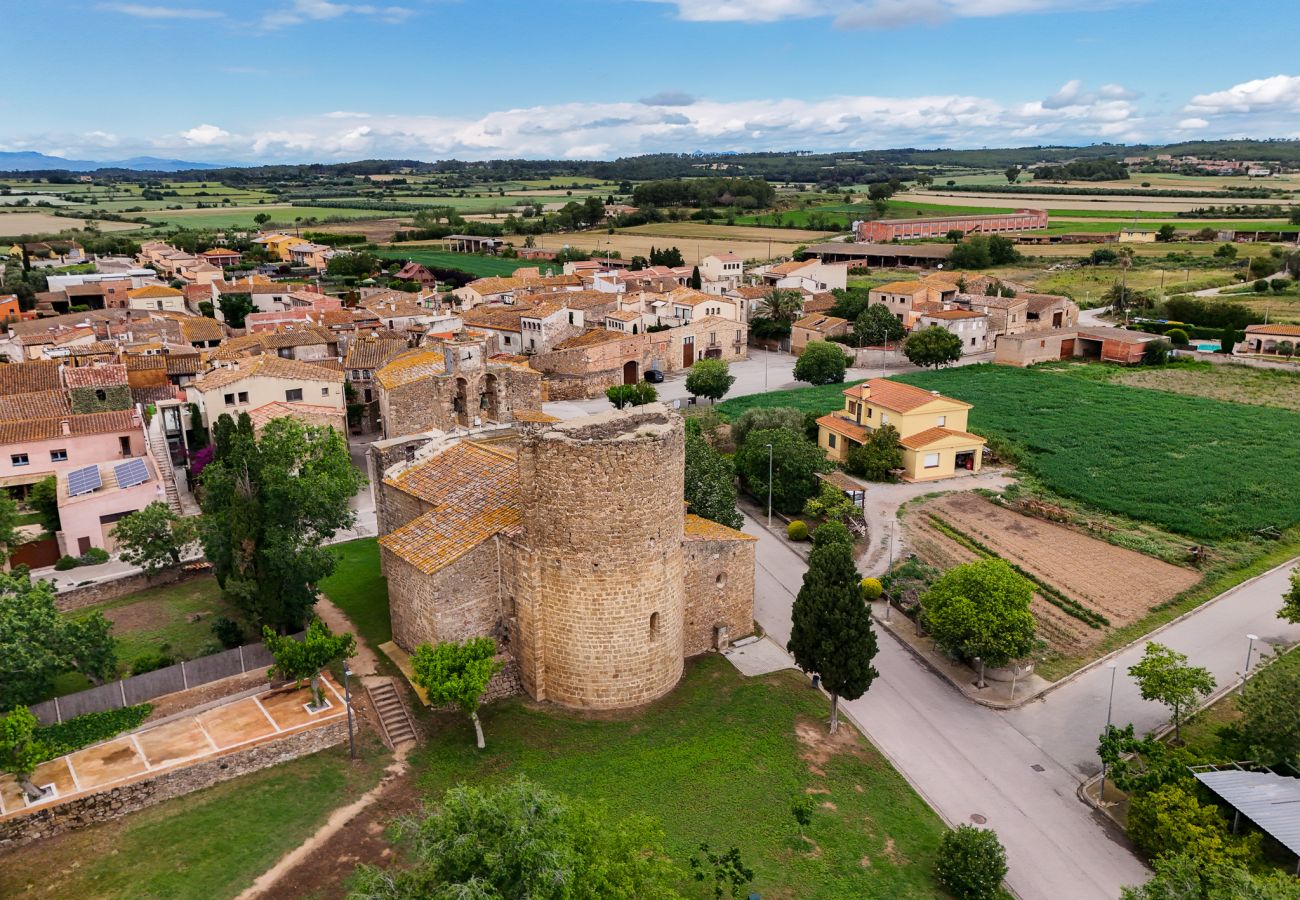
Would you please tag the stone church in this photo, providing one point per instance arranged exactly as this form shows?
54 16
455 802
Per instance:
570 544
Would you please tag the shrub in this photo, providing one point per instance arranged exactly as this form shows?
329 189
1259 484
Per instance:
229 632
872 589
94 556
832 533
971 863
1156 353
66 562
797 531
1170 819
1261 286
90 728
149 662
1178 337
761 418
1279 284
821 363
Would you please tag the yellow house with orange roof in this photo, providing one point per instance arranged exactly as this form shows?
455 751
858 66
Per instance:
280 245
931 428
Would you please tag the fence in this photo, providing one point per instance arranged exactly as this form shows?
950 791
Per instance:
139 688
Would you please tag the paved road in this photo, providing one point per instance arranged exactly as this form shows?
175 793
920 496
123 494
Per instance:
1067 721
967 760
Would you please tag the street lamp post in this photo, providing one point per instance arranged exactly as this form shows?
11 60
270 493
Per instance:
1110 703
347 701
769 485
1250 649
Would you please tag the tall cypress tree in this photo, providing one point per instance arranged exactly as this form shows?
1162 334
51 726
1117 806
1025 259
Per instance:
832 633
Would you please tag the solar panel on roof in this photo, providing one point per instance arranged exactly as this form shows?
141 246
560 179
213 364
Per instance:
131 473
83 481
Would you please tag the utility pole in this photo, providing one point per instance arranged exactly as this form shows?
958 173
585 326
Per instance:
769 485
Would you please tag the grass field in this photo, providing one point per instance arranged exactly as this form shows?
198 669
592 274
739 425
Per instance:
242 217
13 224
695 239
718 760
1236 384
210 844
482 266
358 589
1086 284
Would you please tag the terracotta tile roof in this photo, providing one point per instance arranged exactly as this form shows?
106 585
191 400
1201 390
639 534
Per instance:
95 376
820 322
819 303
201 328
934 435
911 288
266 367
474 491
691 297
789 268
154 292
1287 330
95 348
586 300
27 377
897 396
409 367
623 315
485 286
117 420
311 413
533 416
751 291
74 334
697 528
295 336
497 318
515 361
238 347
991 302
152 393
843 426
141 362
183 363
36 405
371 353
591 338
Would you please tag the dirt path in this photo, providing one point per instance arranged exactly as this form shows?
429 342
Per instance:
365 662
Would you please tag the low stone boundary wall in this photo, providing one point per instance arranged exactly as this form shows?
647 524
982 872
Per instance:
124 799
115 588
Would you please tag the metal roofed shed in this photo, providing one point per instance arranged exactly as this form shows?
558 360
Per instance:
1271 801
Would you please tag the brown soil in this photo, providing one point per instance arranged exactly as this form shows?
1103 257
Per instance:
171 704
819 745
145 615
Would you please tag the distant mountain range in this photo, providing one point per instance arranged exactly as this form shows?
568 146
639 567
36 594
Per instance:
27 161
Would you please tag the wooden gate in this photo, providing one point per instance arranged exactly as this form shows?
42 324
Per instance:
36 554
1067 348
688 351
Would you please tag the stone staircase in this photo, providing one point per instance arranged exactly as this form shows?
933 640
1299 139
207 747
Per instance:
163 458
396 722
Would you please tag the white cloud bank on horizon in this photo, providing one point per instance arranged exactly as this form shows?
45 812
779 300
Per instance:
872 13
675 122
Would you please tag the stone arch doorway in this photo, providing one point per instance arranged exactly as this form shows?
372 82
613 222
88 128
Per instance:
630 372
460 403
490 400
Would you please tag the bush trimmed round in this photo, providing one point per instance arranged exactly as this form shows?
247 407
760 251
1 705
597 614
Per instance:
797 531
832 533
972 863
872 589
1178 337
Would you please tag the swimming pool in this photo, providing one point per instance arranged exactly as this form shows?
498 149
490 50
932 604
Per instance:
1207 346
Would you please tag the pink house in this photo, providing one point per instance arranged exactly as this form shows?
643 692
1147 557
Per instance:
34 449
93 498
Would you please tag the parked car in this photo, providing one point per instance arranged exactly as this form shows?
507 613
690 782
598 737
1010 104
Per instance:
654 376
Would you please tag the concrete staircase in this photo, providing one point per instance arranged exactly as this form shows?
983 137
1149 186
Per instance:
163 458
396 722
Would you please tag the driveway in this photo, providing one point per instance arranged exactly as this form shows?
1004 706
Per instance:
967 760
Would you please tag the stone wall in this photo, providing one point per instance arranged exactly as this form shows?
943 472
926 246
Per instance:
104 591
87 400
128 798
600 599
459 601
581 387
719 592
434 402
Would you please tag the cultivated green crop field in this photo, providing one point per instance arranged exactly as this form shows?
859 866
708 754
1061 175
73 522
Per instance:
243 217
482 266
1200 467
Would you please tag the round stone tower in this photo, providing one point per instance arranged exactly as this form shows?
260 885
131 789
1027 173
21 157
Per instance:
601 604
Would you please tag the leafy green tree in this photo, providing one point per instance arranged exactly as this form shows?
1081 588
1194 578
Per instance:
711 483
638 394
1270 726
9 535
877 326
1139 765
1291 600
781 305
1156 353
1166 233
20 750
802 808
1012 173
831 631
1163 675
1002 251
795 463
710 378
972 863
980 610
457 673
833 532
44 499
971 253
695 280
933 346
821 362
761 418
303 660
878 457
235 308
831 504
1182 876
1170 819
727 870
262 218
1225 251
270 504
154 537
520 840
37 642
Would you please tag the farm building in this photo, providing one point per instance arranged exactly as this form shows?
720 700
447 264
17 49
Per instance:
885 230
1101 343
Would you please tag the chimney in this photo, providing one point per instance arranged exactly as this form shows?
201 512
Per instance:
65 426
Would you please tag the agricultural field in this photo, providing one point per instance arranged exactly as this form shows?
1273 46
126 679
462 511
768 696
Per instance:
1119 205
1086 284
482 266
1092 585
695 239
1235 384
13 224
243 216
1203 468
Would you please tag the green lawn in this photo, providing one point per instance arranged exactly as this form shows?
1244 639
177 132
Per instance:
358 589
482 266
718 761
209 844
821 400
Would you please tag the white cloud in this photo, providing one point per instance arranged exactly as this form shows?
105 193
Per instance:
141 11
871 13
205 135
1193 124
1280 92
300 11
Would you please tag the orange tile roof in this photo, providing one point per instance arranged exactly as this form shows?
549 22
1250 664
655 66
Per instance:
409 367
901 287
118 420
36 405
697 528
934 435
897 396
820 322
788 268
311 413
28 377
591 338
498 318
95 376
474 491
154 291
1288 330
535 416
843 426
266 367
371 353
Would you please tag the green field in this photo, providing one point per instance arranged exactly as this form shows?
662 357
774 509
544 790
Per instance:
1204 468
212 843
718 760
482 266
244 217
358 588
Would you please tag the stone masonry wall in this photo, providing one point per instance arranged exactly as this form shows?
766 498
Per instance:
128 798
601 605
92 594
457 602
719 591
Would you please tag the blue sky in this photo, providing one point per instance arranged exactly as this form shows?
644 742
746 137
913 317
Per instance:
303 80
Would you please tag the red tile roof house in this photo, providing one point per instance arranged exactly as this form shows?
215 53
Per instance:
413 271
1268 338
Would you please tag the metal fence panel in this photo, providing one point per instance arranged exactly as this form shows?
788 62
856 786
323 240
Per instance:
139 688
256 656
106 696
214 667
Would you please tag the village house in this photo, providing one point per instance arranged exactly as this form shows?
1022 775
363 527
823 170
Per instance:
1006 315
723 271
816 327
1048 312
222 257
903 297
93 498
365 356
312 256
931 428
812 275
279 245
1117 345
421 275
157 297
249 384
972 327
1269 339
